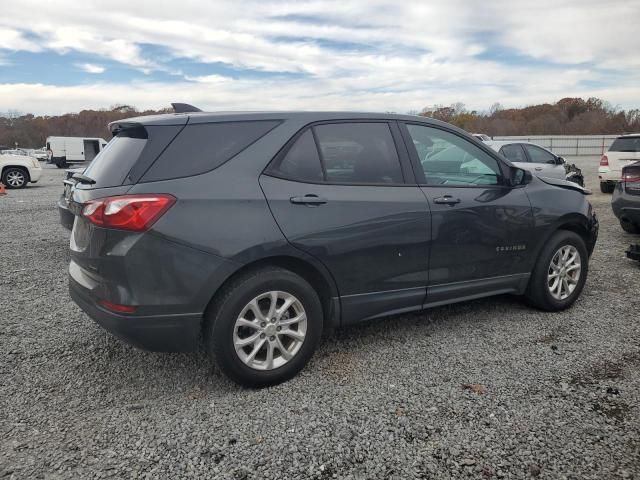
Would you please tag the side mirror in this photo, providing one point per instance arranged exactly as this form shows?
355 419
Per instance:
520 176
560 160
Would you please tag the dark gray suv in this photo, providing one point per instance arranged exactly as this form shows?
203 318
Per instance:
250 233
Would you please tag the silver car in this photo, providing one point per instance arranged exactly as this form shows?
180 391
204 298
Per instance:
532 157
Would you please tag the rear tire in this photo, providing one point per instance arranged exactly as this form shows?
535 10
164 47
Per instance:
606 187
629 226
61 162
543 292
232 320
15 177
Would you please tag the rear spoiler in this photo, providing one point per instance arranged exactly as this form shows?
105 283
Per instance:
184 108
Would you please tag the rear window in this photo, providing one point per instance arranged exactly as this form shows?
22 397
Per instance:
200 148
110 167
625 144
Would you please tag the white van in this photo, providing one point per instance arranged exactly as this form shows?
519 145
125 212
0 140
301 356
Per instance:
64 150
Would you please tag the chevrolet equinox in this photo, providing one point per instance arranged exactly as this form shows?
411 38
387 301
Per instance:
250 233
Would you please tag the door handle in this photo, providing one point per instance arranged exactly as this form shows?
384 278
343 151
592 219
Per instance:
446 200
309 199
538 168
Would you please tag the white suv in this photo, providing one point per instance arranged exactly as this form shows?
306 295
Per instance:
623 151
18 170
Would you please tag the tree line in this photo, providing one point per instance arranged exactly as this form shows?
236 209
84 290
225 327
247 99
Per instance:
569 116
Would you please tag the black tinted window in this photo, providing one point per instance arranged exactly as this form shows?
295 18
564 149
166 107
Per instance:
200 148
625 144
358 153
514 153
447 159
301 162
110 167
539 155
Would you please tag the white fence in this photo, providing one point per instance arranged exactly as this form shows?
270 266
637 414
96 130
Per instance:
568 145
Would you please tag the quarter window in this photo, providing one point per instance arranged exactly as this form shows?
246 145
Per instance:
358 153
447 159
301 162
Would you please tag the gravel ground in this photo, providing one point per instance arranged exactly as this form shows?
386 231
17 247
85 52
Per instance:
558 394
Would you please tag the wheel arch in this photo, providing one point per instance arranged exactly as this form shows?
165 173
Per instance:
318 278
21 167
574 222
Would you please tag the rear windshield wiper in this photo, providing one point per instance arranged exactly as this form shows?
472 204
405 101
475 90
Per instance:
83 178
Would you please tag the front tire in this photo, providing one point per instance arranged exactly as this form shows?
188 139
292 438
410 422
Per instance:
560 272
14 177
263 327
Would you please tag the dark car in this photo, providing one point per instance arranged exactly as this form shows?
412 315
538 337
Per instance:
626 198
66 216
253 232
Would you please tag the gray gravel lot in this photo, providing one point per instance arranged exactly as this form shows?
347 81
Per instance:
382 400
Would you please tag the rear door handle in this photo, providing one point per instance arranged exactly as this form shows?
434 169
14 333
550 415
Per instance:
446 200
309 199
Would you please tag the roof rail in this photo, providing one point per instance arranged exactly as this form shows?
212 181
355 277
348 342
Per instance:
184 108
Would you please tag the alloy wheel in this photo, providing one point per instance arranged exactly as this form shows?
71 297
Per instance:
270 330
15 178
564 272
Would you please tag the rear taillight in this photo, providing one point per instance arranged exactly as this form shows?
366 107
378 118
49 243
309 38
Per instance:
604 161
128 212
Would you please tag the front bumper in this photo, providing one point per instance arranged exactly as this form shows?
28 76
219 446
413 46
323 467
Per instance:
35 174
158 333
593 233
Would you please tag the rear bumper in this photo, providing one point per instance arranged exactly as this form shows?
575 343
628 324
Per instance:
66 217
625 206
606 175
158 333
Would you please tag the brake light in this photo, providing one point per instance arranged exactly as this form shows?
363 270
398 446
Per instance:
604 161
116 307
128 212
631 177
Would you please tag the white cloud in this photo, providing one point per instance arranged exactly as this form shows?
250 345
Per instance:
12 39
90 67
374 55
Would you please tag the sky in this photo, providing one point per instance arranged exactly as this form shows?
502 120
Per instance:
367 55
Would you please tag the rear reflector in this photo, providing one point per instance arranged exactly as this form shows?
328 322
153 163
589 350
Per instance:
115 307
604 161
128 212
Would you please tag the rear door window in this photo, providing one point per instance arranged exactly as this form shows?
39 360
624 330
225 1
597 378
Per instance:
625 144
200 148
514 153
357 153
